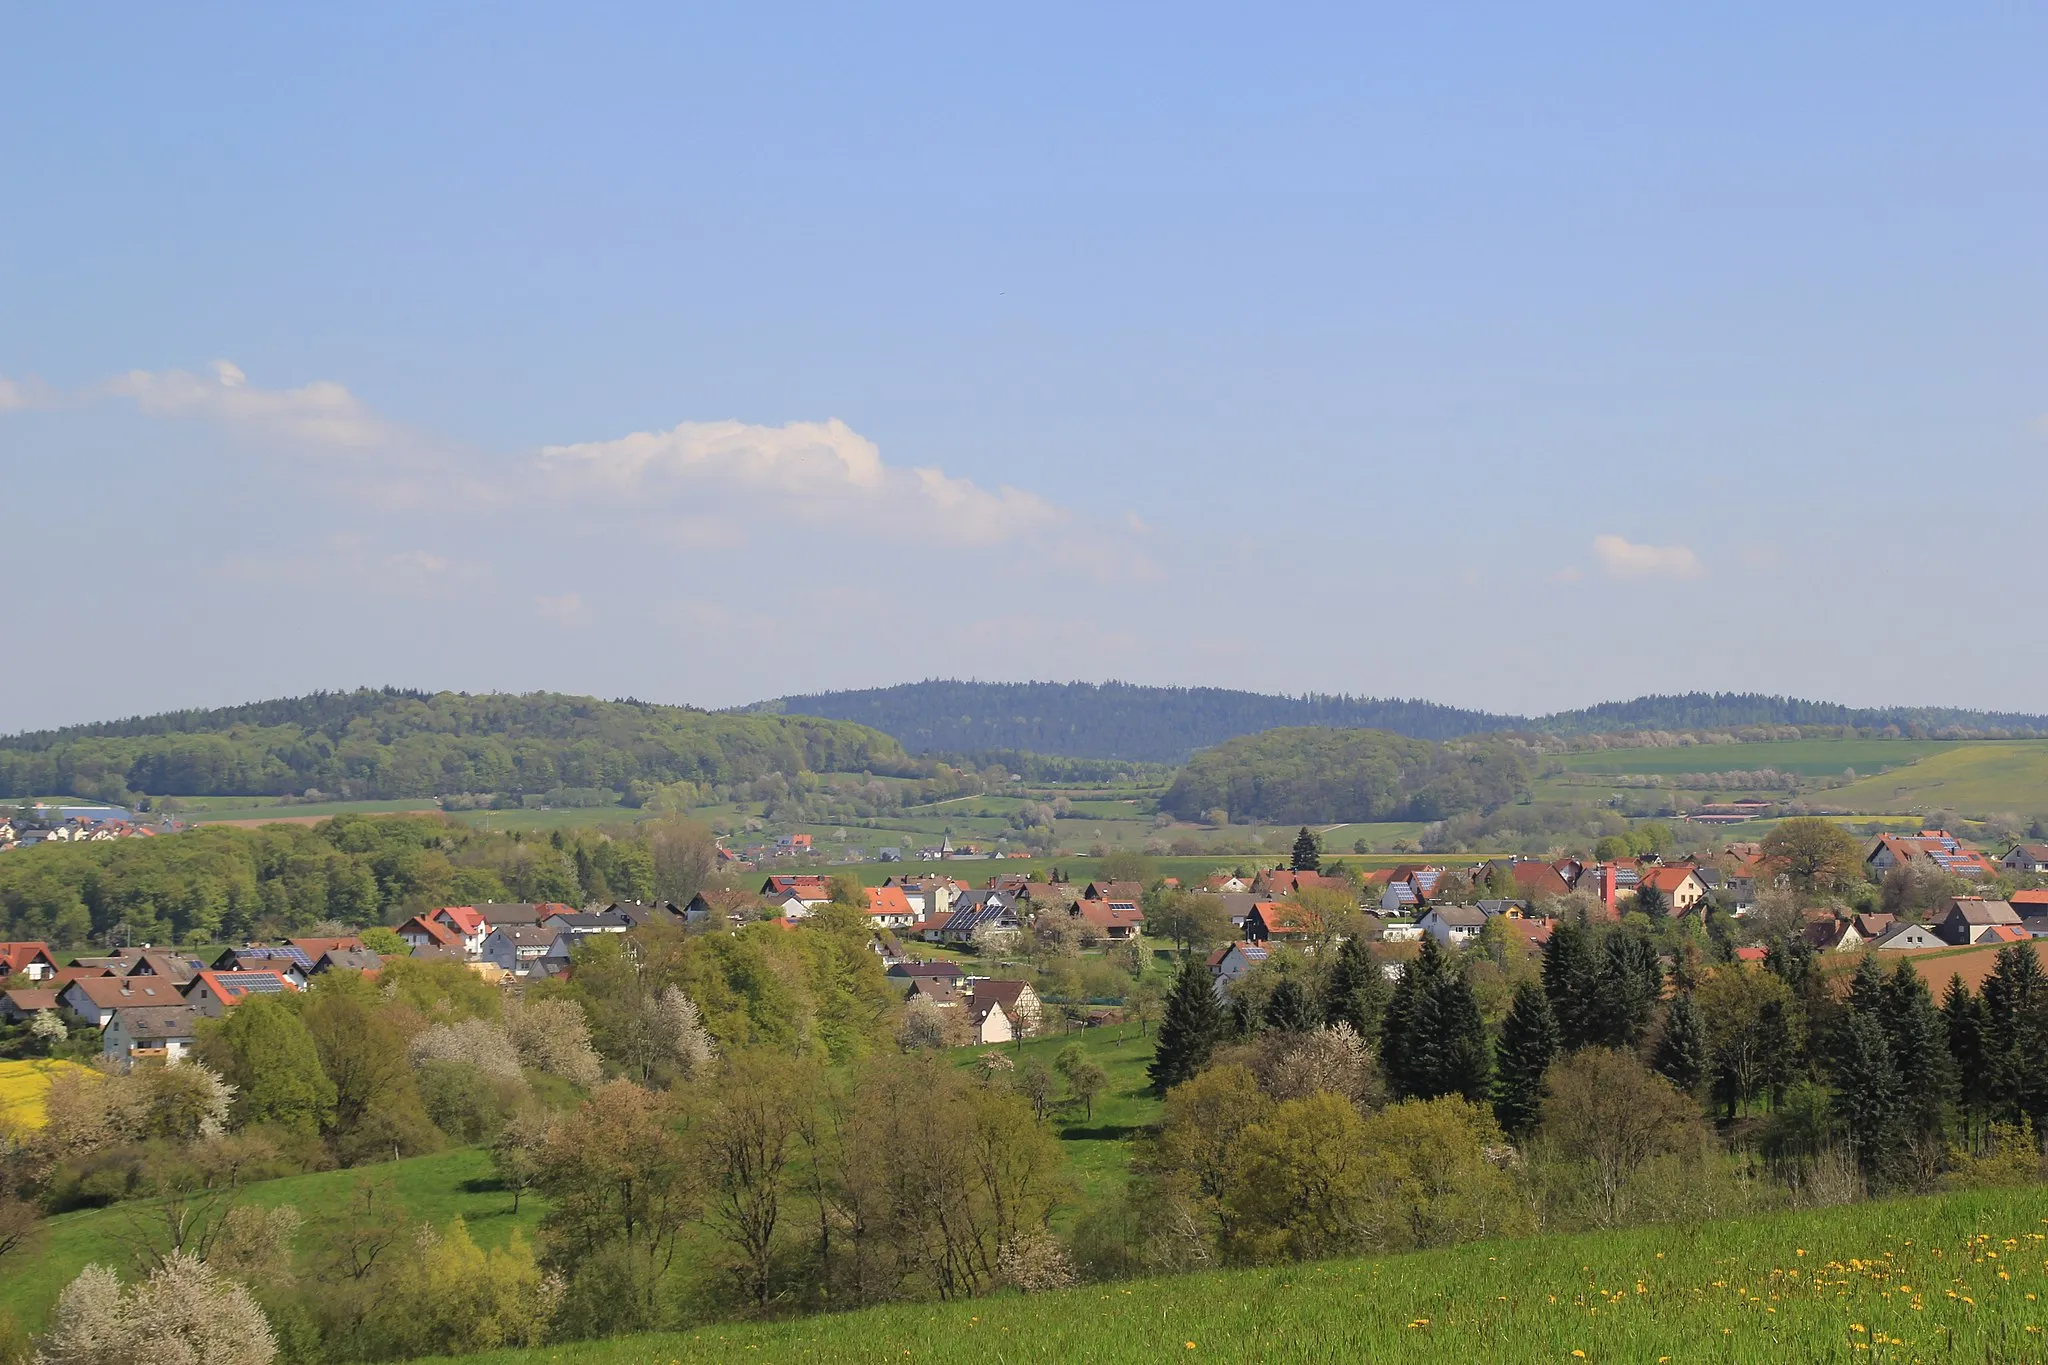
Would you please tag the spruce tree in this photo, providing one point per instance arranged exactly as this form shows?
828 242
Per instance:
1962 1021
2015 1012
1308 852
1529 1043
1188 1032
1868 1098
1627 983
1291 1009
1866 987
1467 1067
1435 1041
1569 972
1652 902
1919 1049
1408 1033
1358 990
1682 1055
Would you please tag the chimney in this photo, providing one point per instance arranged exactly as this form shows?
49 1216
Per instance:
1607 879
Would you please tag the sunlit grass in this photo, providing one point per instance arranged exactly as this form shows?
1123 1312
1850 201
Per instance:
1960 1277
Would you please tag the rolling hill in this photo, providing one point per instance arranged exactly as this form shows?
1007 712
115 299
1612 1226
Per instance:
1167 724
375 744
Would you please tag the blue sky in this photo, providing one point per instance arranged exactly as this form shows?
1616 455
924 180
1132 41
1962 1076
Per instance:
1510 358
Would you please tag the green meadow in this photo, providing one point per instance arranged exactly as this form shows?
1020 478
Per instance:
1957 1277
435 1188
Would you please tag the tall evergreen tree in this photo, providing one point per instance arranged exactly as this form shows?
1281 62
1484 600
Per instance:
1358 990
2015 1011
1435 1040
1189 1030
1683 1055
1529 1043
1652 902
1291 1009
1962 1020
1919 1043
1570 971
1308 852
1627 982
1866 987
1868 1094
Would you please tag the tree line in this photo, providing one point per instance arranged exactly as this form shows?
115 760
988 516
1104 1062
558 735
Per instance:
1310 775
380 745
218 884
1326 1108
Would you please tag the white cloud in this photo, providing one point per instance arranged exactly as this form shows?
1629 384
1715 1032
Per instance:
322 413
814 469
20 395
1621 558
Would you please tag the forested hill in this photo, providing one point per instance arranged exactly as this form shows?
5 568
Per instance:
1113 719
1167 724
387 743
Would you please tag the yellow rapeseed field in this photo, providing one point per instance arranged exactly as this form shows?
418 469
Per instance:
22 1087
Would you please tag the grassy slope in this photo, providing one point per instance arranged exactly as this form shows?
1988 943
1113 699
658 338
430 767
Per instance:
437 1188
1977 779
1877 1276
1097 1148
1807 757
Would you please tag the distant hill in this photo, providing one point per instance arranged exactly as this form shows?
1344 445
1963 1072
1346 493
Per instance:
386 742
1167 724
1113 719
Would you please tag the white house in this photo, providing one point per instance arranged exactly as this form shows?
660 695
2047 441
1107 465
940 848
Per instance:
1232 961
1452 925
148 1030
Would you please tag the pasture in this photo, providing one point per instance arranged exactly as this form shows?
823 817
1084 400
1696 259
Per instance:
1948 1277
435 1188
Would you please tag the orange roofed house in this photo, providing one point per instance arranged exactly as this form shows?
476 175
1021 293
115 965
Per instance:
889 908
1281 920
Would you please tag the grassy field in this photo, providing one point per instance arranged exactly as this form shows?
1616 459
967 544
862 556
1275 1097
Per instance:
1976 779
22 1087
437 1188
1807 757
1097 1147
1946 1278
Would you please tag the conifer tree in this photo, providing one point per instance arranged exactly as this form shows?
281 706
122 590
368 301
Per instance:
1435 1041
1188 1032
1358 990
1866 987
1682 1055
1626 985
1569 972
1529 1043
1291 1009
2014 1002
1868 1098
1962 1021
1919 1045
1308 852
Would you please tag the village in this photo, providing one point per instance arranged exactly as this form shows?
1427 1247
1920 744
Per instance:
938 937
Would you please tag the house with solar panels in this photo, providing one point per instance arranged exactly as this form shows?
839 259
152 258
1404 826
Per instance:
289 959
214 993
976 910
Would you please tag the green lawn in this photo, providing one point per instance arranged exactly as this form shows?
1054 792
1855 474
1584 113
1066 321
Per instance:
1946 1278
1097 1148
1807 757
437 1188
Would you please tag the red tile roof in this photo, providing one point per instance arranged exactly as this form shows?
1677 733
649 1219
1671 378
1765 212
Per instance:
889 901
